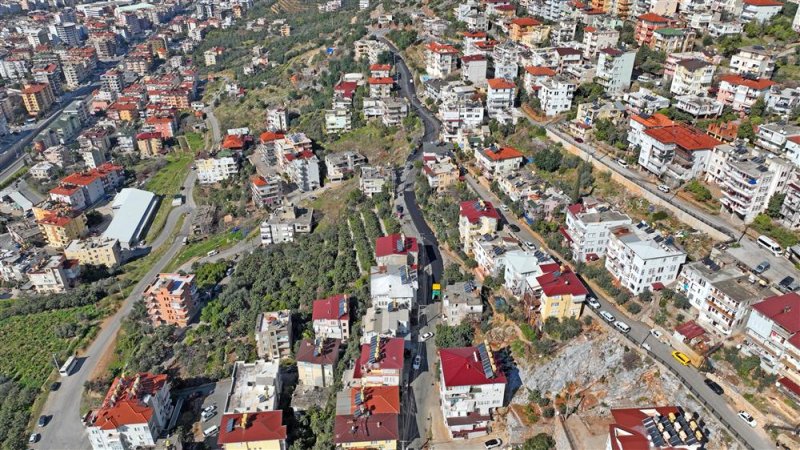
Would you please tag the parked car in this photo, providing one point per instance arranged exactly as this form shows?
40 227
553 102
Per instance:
34 438
211 431
748 418
591 301
206 416
493 443
622 326
762 267
787 284
663 188
417 362
513 227
55 386
503 207
656 334
681 358
425 336
622 163
608 316
42 420
529 245
716 388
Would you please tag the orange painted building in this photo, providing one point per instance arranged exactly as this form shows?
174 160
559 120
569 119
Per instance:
171 299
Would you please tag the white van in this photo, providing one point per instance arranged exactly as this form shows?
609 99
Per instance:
608 316
212 253
770 245
211 431
622 326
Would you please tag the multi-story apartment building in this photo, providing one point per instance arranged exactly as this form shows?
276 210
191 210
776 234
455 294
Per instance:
505 58
380 363
670 40
476 218
37 97
561 293
676 152
440 59
62 227
753 60
99 251
393 287
790 209
316 361
380 87
373 179
773 332
296 158
473 69
636 428
396 250
342 165
471 387
266 190
262 429
338 120
588 228
171 299
759 10
368 417
777 137
497 161
555 95
136 409
698 106
639 262
214 170
54 275
692 77
331 317
274 335
721 293
535 76
112 81
500 97
255 387
527 29
460 115
614 69
595 39
782 100
741 93
461 300
747 179
277 119
49 74
440 171
646 26
284 223
644 101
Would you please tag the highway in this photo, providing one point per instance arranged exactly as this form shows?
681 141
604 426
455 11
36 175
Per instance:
639 334
66 430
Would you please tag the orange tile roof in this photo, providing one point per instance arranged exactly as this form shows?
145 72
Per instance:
684 137
380 67
380 80
656 120
269 136
260 426
64 190
233 141
502 153
652 17
441 48
377 399
501 83
759 84
122 405
80 178
540 71
34 88
525 22
258 180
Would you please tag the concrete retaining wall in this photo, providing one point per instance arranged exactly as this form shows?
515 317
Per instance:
632 186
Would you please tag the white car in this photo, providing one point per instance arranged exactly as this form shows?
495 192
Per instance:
663 188
608 316
622 326
593 302
622 163
530 245
503 208
417 362
425 336
656 334
747 418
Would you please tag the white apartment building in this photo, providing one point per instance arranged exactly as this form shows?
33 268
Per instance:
741 93
753 60
369 49
136 410
640 263
440 171
53 275
473 69
535 76
760 10
393 287
782 100
274 335
277 119
644 101
460 114
215 170
790 209
500 97
773 333
675 152
588 228
497 161
692 77
461 301
595 39
505 58
521 268
776 136
476 218
255 387
372 179
555 95
721 293
331 317
552 10
284 223
440 59
614 69
698 106
747 179
338 120
471 387
380 87
340 166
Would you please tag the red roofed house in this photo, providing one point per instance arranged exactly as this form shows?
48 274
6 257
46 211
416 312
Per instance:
440 59
535 76
316 361
527 28
473 69
331 317
773 330
741 93
163 125
149 144
134 413
676 151
380 87
367 431
647 24
760 10
266 190
396 250
500 98
471 387
233 142
561 293
631 429
256 430
476 218
497 161
380 70
380 362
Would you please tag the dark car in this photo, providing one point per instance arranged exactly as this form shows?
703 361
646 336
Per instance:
55 386
42 420
786 284
513 227
714 386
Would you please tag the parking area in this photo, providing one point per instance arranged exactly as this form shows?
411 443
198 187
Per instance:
750 254
196 400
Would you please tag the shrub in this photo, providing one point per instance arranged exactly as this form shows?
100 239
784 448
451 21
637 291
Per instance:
634 307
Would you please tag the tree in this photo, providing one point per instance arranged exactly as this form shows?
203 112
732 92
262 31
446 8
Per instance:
774 205
548 159
541 441
758 108
458 336
746 130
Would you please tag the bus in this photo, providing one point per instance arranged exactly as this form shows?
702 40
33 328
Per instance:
770 245
66 369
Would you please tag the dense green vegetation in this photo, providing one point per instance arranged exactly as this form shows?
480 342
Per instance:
458 336
15 401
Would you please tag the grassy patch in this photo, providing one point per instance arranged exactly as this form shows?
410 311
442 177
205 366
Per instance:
30 341
330 202
167 182
201 248
378 143
196 141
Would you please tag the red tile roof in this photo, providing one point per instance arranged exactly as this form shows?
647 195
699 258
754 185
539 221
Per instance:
474 210
81 178
376 399
233 142
628 432
525 22
64 190
502 153
347 88
374 67
146 136
763 3
380 80
737 80
269 136
562 281
575 209
388 245
441 48
123 406
783 310
684 137
590 29
474 34
260 426
462 366
327 354
540 71
690 330
377 427
328 308
652 17
656 120
391 357
258 180
472 58
790 385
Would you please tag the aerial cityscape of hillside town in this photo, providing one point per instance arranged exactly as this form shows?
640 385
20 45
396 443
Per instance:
399 224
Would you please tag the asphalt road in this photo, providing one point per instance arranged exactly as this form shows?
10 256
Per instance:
640 332
66 430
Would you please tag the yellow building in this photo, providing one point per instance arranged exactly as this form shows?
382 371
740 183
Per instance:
522 27
37 97
253 431
96 251
149 144
562 294
61 228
